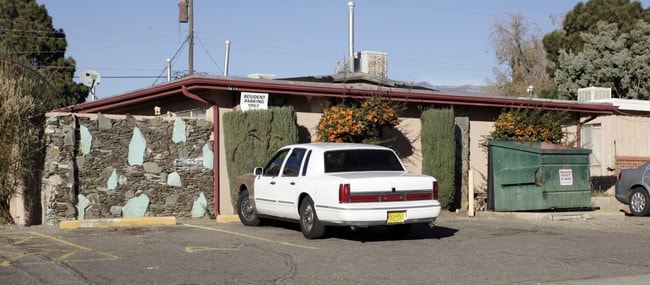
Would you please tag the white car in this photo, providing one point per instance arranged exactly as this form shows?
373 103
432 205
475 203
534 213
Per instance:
337 184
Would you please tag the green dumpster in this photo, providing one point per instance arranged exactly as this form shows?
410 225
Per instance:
530 176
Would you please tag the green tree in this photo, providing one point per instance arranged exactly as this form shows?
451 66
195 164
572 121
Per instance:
28 38
584 18
518 48
606 60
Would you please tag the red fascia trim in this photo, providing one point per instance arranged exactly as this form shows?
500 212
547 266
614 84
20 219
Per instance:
415 96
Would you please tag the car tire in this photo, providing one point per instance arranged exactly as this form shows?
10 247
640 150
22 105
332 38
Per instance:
639 202
310 226
246 211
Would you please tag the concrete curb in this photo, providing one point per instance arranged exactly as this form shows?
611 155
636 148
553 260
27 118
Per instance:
553 216
228 219
117 222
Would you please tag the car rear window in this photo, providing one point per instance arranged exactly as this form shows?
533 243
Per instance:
361 160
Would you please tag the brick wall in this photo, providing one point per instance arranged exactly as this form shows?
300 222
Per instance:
626 162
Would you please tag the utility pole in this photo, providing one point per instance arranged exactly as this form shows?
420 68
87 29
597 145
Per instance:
191 49
185 17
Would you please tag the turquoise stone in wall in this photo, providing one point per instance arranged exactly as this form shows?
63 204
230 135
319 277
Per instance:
111 184
208 157
136 207
174 179
82 204
200 206
179 131
86 140
137 148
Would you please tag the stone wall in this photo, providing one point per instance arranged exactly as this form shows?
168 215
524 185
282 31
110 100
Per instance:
100 166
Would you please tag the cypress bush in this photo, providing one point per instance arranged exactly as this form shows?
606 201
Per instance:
439 151
251 137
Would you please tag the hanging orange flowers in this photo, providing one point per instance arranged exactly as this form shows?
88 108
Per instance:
349 123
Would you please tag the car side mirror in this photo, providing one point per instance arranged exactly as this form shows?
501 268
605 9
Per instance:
257 171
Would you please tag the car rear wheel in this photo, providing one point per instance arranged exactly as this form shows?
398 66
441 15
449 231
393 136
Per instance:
310 226
246 211
639 202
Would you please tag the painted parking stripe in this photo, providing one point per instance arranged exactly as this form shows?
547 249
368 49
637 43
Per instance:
193 249
253 237
56 249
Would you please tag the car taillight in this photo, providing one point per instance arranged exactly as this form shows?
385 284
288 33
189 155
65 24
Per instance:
435 190
365 198
393 197
419 196
344 193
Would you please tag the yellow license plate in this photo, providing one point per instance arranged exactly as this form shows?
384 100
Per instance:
395 217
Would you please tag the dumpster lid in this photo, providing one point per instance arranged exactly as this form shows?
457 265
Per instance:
540 147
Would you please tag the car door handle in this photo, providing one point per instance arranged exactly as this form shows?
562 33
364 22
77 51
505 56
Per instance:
292 183
272 182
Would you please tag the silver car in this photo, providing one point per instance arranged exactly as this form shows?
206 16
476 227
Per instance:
632 189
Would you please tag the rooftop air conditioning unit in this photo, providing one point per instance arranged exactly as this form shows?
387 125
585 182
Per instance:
594 93
373 63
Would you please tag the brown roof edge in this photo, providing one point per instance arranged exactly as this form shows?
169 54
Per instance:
301 88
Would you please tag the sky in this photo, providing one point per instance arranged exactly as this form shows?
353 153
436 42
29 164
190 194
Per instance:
441 42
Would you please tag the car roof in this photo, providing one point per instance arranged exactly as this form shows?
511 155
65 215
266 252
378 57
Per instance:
325 146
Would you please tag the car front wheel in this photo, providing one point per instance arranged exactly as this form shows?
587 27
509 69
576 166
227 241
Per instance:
311 227
639 204
246 211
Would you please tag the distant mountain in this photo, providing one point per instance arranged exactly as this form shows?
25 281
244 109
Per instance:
462 89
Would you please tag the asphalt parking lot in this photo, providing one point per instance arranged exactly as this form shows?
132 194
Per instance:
492 249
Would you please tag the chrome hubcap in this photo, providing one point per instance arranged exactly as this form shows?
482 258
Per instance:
247 209
308 218
638 202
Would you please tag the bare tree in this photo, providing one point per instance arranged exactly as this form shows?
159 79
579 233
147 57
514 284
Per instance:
522 62
21 135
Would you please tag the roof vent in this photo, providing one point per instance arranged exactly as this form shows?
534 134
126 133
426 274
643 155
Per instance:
262 76
594 93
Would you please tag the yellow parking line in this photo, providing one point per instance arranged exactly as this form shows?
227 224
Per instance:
61 241
253 237
62 254
193 249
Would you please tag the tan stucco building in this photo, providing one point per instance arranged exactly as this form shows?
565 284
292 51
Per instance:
211 97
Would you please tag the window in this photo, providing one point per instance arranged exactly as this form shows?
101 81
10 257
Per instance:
292 167
194 113
591 139
272 168
361 160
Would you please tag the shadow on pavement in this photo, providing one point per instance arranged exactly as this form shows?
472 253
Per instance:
373 234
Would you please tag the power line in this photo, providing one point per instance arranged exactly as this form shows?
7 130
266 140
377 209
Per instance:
206 51
172 59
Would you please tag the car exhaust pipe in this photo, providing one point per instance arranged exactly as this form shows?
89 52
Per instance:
353 228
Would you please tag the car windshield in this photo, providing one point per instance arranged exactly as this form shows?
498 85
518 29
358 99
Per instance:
361 160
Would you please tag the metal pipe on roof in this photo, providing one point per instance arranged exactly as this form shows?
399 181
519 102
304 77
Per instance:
351 35
227 59
169 70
